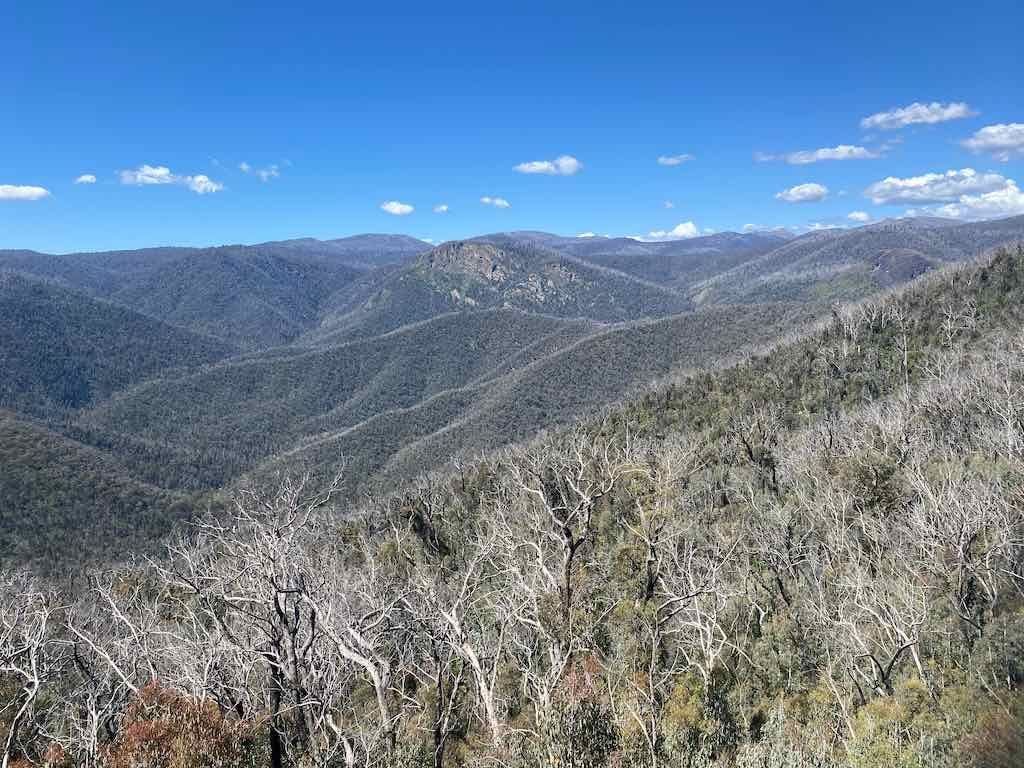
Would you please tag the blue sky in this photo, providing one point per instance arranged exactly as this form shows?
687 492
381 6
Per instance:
345 108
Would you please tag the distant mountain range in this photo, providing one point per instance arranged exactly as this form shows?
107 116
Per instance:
176 371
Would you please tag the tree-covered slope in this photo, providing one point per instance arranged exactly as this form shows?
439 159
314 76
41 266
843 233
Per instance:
516 401
64 505
245 410
63 350
249 297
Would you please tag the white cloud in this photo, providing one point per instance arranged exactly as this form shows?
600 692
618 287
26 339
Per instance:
244 167
763 228
86 178
442 208
565 165
764 157
840 152
591 234
803 193
497 202
147 175
934 187
395 208
669 205
674 160
917 113
999 203
1001 140
859 216
202 185
20 192
679 232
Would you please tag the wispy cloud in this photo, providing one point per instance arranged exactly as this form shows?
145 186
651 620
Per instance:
442 208
917 114
565 165
268 173
669 205
86 178
396 208
934 187
151 175
859 216
271 171
1001 140
803 193
22 192
674 160
808 156
497 202
839 152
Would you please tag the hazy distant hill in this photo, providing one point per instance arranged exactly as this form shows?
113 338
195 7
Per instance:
61 349
681 263
91 278
847 264
359 250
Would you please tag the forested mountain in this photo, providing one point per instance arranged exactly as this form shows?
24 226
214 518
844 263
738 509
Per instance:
250 297
475 275
811 556
61 350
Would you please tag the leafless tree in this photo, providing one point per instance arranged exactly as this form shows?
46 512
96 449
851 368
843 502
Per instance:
28 654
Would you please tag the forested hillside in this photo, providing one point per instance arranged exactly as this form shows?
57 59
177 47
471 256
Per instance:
812 557
61 350
249 297
62 504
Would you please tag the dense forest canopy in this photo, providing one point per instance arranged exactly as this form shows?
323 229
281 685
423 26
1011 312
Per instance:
811 557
